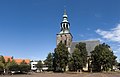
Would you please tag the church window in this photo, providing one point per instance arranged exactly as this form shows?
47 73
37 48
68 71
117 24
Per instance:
67 26
65 42
64 25
61 41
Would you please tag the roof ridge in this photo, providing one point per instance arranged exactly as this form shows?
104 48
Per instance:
85 40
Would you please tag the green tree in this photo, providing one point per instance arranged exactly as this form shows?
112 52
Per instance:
2 64
78 58
49 62
2 59
103 58
1 67
39 65
118 66
12 66
60 57
24 67
5 63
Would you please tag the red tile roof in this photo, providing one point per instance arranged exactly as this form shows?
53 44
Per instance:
18 61
7 57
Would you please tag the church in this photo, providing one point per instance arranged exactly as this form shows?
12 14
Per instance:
66 37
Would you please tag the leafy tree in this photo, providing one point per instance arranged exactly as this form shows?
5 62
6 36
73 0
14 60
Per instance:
39 65
102 57
24 67
8 60
2 64
49 62
12 66
60 57
7 65
1 67
71 64
75 61
2 59
118 66
78 58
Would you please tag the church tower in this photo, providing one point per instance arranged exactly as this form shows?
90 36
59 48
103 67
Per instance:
64 35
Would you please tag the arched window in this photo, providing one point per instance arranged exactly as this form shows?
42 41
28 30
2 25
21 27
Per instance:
64 25
65 42
61 41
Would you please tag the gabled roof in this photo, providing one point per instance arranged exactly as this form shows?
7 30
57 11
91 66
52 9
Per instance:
18 61
7 57
90 45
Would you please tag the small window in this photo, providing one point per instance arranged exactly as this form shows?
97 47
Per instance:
34 66
67 26
60 41
64 25
65 42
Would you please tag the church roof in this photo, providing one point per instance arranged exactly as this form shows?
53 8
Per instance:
90 45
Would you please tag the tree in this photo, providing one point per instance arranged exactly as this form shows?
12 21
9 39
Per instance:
118 66
39 65
2 59
24 67
2 64
12 66
7 66
1 67
78 58
75 61
103 58
49 62
60 57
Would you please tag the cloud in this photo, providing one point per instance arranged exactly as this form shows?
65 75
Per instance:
116 48
112 34
117 53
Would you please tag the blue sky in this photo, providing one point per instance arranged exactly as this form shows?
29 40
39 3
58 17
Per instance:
28 28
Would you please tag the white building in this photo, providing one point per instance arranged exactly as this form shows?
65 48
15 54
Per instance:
33 65
34 68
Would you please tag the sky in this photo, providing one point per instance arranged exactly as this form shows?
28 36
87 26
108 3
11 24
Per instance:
28 28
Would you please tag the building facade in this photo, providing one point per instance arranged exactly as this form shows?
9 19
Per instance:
33 65
18 61
66 37
35 69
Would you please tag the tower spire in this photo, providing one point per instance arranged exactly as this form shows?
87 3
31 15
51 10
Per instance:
65 13
65 24
65 19
64 35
